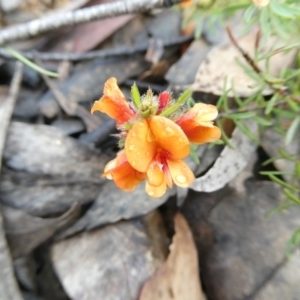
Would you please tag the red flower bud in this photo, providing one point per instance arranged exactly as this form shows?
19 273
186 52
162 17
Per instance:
163 100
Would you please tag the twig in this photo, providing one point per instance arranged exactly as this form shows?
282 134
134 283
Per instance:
8 286
70 107
97 12
281 90
93 54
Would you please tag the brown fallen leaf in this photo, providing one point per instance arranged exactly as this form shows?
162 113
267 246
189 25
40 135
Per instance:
178 277
87 36
242 250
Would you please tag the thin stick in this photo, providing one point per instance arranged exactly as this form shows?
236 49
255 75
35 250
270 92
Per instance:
94 54
281 90
97 12
70 107
8 286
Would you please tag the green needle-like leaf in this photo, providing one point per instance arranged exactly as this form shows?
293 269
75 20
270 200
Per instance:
29 63
184 97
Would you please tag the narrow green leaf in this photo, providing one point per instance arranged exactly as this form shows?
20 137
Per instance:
291 196
240 116
293 105
292 130
281 182
249 12
280 208
262 121
294 241
246 131
170 110
286 155
297 169
265 22
283 10
275 173
296 237
223 99
271 79
194 154
292 74
283 112
184 97
270 160
279 27
29 63
224 135
271 103
135 95
199 29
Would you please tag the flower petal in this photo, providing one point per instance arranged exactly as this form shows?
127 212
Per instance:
181 173
155 175
200 112
156 191
164 100
140 147
169 137
109 167
204 112
203 134
126 178
113 103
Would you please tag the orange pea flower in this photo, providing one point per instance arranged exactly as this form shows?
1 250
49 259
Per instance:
156 146
114 103
197 124
124 175
156 132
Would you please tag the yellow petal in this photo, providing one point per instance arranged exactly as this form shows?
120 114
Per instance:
169 137
155 175
203 134
204 112
181 173
111 89
156 191
140 148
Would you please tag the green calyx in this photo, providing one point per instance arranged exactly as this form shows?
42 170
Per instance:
135 95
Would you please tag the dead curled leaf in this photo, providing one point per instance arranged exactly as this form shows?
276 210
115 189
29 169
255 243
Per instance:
25 232
230 162
178 277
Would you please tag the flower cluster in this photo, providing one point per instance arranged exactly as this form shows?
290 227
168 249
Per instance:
156 132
